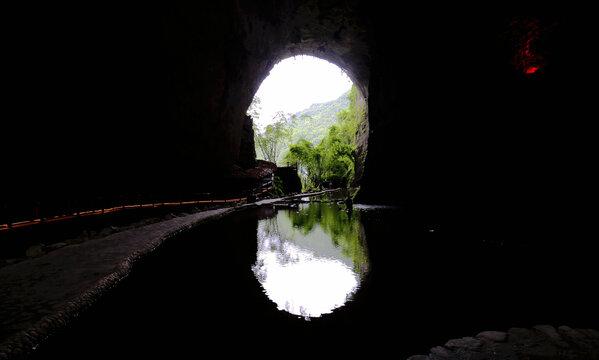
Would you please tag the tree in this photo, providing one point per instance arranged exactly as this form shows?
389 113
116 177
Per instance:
271 140
309 162
255 108
333 159
337 151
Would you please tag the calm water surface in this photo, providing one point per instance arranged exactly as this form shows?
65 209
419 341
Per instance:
311 258
375 280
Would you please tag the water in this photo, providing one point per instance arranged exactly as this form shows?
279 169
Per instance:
311 259
375 281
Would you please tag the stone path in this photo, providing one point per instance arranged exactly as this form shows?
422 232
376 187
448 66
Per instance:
39 296
540 342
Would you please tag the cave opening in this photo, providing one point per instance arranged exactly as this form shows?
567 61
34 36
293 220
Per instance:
305 106
487 129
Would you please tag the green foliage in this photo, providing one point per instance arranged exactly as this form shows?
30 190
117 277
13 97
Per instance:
309 162
332 160
270 142
277 186
353 197
255 108
313 123
320 139
343 228
337 151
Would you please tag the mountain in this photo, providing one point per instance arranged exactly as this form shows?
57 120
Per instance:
314 122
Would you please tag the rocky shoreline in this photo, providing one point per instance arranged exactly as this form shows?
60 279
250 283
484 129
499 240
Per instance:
540 342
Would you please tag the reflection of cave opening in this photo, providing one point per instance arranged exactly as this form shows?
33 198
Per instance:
311 259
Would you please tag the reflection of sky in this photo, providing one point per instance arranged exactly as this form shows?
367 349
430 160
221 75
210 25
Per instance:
303 274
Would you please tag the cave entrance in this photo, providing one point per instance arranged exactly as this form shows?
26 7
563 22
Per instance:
308 113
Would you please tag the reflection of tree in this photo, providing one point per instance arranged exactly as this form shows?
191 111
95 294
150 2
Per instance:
343 228
268 230
260 270
306 218
267 238
271 238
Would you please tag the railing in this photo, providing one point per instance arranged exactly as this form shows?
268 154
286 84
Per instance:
82 213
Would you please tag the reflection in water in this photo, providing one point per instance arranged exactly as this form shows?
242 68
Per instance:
310 260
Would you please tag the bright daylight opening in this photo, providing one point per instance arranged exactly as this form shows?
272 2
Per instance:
306 113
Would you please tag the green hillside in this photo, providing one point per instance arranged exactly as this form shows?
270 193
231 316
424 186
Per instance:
311 124
314 122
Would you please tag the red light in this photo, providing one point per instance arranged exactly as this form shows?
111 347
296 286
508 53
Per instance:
527 38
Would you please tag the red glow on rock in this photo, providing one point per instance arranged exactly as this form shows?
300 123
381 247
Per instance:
526 38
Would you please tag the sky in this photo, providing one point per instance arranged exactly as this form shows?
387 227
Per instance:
298 82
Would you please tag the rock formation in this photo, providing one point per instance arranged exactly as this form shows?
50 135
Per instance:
116 102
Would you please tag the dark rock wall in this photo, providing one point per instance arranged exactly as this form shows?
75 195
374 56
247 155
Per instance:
247 150
361 140
150 98
476 144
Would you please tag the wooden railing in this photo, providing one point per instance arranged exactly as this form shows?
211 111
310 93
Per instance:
81 213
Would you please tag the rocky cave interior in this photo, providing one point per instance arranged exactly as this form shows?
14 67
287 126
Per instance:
125 100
